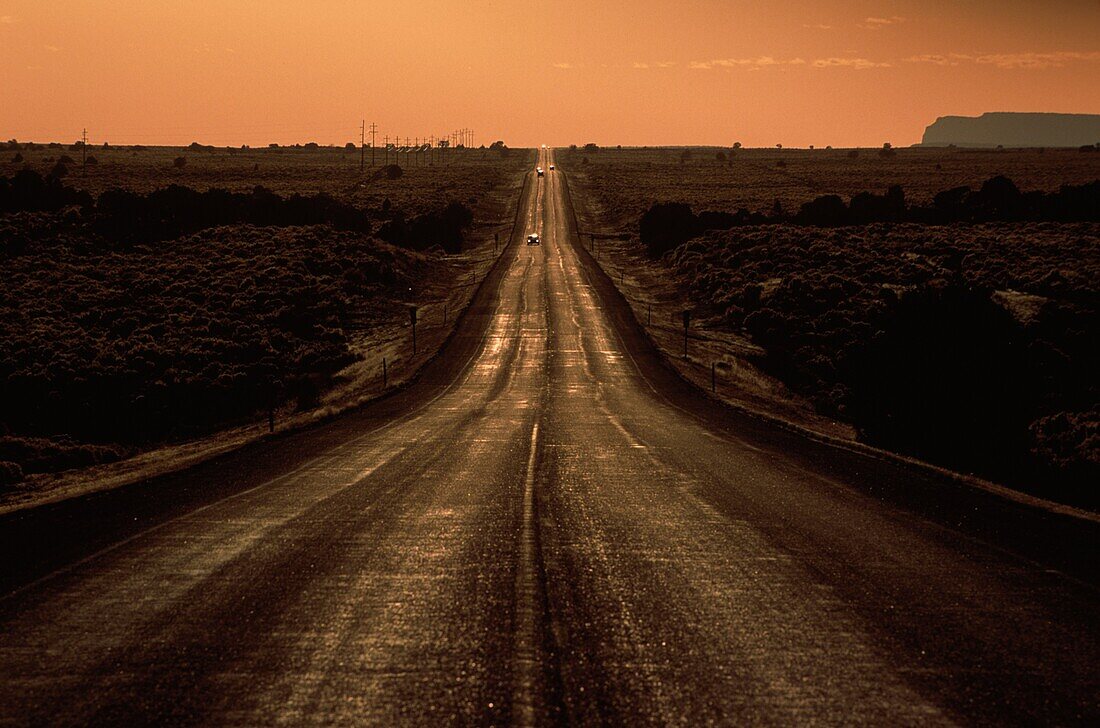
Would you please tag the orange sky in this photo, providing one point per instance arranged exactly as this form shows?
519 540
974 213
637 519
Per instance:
644 72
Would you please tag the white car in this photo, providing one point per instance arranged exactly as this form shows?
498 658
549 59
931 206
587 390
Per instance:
551 167
533 239
539 170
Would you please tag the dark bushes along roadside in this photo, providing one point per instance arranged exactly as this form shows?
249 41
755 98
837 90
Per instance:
971 346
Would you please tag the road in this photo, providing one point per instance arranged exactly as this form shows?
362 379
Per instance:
548 528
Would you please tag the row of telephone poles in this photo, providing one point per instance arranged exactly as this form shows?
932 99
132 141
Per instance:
430 145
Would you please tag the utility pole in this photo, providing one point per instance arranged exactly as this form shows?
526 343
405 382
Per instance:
373 129
84 153
386 141
362 145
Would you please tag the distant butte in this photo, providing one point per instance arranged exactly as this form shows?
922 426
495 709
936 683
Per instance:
1012 129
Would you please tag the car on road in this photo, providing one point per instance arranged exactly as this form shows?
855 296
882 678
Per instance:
551 167
539 170
533 239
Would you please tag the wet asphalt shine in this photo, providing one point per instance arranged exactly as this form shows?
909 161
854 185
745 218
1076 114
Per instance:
547 528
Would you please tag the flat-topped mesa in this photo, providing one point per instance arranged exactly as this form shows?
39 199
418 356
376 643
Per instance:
1012 129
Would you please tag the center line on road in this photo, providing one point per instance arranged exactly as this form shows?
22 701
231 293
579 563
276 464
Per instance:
526 664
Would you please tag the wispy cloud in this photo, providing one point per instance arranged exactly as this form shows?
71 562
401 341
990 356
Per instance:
758 62
1037 60
52 48
563 65
761 62
817 26
879 23
858 64
1026 60
938 59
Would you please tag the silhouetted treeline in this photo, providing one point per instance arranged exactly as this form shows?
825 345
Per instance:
126 216
28 191
970 346
130 217
174 211
665 225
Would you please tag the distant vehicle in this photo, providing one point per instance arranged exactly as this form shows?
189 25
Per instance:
533 239
539 170
551 167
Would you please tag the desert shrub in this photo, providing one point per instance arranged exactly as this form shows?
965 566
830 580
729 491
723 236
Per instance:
825 211
392 171
17 159
65 159
445 228
942 380
91 161
666 225
10 473
179 162
59 170
28 191
1070 442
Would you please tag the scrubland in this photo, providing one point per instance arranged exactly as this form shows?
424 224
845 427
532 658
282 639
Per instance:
146 304
967 341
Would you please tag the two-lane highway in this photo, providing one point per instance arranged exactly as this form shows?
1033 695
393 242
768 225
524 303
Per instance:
548 528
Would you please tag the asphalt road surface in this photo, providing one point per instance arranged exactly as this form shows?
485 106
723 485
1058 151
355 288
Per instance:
549 527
